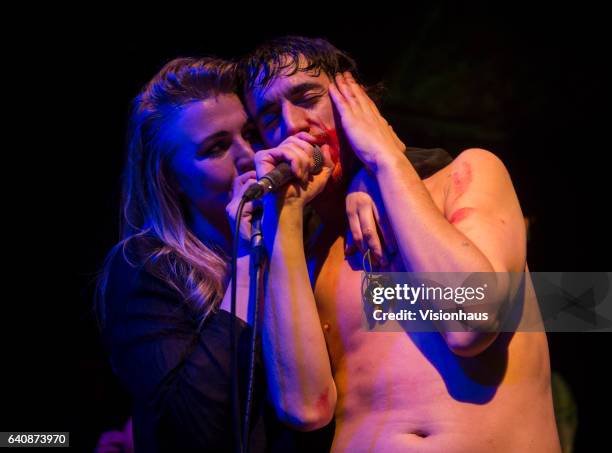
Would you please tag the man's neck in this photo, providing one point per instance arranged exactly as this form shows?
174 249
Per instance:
330 207
327 224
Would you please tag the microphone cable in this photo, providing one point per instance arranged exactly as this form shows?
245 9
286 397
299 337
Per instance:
258 261
238 447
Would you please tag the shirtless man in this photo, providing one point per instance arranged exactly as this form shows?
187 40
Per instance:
389 391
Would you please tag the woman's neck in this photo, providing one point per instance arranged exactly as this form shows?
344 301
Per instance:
208 232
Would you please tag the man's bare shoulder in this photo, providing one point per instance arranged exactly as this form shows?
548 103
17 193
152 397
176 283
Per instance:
473 166
479 158
476 160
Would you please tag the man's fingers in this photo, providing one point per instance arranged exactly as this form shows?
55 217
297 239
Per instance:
298 159
355 239
366 102
343 106
241 182
362 218
347 92
326 155
371 104
359 94
300 163
243 188
240 187
243 178
370 234
291 153
388 238
264 161
302 140
349 246
306 142
305 137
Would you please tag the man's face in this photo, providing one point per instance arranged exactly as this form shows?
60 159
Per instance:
296 103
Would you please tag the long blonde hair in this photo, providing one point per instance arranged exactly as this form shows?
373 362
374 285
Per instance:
152 213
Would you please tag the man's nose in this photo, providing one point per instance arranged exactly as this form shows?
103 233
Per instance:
295 120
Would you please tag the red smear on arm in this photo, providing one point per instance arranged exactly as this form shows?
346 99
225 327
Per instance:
461 180
460 214
322 403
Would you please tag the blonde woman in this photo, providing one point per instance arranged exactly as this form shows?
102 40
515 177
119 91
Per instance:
162 301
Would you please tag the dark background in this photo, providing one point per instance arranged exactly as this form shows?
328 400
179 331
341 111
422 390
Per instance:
527 84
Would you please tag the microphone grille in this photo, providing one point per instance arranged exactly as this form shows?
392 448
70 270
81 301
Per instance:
317 158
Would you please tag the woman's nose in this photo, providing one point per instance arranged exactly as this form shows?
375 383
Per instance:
244 157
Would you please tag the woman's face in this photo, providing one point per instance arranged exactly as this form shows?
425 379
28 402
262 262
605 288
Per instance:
214 143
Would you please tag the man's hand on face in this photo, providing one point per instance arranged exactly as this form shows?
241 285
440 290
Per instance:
297 151
369 134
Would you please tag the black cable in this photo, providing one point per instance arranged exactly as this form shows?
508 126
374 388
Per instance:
233 349
257 264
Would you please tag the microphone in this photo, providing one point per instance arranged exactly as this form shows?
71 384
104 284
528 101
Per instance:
257 246
277 178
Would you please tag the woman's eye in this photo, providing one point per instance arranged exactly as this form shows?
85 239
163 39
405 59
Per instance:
215 150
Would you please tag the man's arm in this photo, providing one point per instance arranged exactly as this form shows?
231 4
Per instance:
481 229
367 228
299 372
297 364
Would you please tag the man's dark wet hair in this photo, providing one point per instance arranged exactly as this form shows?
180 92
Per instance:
283 56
